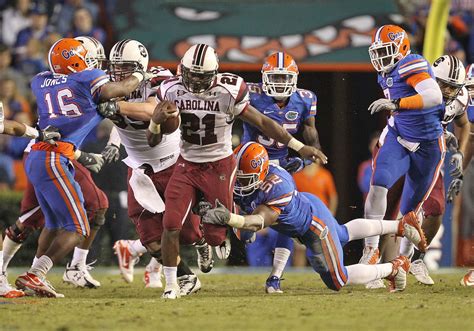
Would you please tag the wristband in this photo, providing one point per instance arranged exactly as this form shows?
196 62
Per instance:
140 76
236 221
30 132
154 128
295 144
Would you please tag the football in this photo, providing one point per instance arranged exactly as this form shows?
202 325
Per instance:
171 124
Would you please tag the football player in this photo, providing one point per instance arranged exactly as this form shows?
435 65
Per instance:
295 109
268 196
13 128
95 201
67 98
149 171
208 103
414 145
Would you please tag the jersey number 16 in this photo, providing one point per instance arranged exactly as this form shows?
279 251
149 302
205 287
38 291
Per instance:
61 103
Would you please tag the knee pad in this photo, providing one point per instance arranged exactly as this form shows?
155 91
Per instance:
17 235
98 219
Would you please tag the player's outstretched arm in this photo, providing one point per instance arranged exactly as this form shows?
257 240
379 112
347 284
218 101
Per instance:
272 129
463 138
141 111
163 110
262 217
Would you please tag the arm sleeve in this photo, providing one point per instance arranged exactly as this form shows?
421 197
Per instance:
428 93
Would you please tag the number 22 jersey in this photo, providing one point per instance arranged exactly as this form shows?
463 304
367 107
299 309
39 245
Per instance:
207 118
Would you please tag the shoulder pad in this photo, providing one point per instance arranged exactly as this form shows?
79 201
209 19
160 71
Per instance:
230 82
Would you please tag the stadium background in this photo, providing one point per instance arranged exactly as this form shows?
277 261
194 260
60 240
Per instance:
329 40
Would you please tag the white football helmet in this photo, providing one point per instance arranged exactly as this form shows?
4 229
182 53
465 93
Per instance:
469 83
199 68
126 57
95 57
450 75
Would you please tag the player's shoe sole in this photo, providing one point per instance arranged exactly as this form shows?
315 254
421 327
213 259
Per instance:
411 229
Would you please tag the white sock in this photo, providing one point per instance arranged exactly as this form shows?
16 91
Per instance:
375 208
170 276
364 273
1 262
153 265
34 261
79 257
136 247
279 261
360 228
41 266
406 248
9 250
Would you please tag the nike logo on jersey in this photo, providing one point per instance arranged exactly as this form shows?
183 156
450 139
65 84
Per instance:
266 112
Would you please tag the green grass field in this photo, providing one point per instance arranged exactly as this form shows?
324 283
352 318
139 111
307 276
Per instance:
237 301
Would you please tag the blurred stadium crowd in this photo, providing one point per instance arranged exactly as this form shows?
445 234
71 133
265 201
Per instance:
29 28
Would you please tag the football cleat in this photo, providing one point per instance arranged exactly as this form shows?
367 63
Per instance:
223 250
7 291
398 277
468 279
375 284
79 276
370 255
126 260
420 271
272 285
30 283
411 229
204 261
188 284
171 293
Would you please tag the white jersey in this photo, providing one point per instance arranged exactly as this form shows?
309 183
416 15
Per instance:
456 108
133 137
207 118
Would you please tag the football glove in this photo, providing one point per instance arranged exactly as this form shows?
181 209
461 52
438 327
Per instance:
217 216
201 207
384 104
451 141
454 189
49 134
109 108
91 161
456 163
111 153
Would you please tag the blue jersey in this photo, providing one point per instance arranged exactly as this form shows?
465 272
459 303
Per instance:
301 106
279 193
69 102
411 124
470 112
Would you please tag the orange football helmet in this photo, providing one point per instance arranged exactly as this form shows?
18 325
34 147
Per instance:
279 75
389 45
67 56
252 167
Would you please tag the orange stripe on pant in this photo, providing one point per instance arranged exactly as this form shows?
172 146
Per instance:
61 192
334 249
74 194
327 257
442 148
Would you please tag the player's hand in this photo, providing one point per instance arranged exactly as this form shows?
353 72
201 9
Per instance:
91 161
111 153
109 108
383 104
202 207
313 154
454 189
292 164
164 110
49 134
451 141
218 216
456 163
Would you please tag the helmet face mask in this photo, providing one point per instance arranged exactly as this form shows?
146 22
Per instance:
279 76
252 161
246 184
95 57
119 70
197 81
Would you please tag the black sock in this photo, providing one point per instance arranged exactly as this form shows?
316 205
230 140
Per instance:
417 255
183 269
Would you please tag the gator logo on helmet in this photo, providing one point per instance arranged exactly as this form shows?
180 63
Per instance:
394 36
256 163
67 53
